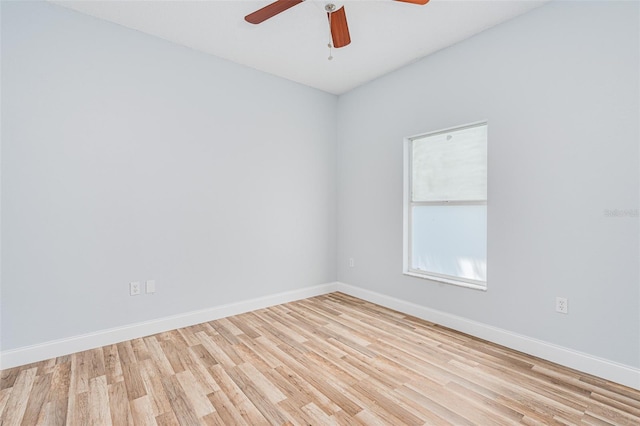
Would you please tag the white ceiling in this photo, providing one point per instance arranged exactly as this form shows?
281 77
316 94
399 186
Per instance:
385 34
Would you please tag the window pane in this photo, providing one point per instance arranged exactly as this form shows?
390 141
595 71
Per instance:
450 166
450 240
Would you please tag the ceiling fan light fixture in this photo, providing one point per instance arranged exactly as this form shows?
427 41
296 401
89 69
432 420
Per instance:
338 25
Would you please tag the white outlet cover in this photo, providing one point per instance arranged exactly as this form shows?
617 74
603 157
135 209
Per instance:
134 288
151 286
562 305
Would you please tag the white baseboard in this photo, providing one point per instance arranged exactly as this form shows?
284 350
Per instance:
55 348
608 370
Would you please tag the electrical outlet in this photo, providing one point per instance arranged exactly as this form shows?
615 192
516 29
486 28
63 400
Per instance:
562 305
134 288
352 262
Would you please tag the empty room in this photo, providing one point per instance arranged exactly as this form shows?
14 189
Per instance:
373 212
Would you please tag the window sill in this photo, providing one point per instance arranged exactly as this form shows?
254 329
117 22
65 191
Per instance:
451 281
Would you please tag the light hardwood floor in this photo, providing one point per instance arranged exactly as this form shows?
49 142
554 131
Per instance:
332 359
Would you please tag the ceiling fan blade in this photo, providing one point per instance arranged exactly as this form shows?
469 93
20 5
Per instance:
270 10
421 2
339 28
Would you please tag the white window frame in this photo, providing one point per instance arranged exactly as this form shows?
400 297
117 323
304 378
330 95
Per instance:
407 207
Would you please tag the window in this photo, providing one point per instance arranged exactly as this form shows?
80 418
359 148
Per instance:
445 209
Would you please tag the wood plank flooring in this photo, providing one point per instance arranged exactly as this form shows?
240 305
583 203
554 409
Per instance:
332 359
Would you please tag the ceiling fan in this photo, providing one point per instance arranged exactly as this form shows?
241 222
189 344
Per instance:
337 17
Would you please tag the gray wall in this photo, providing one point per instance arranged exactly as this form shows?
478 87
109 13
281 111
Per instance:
560 90
126 158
